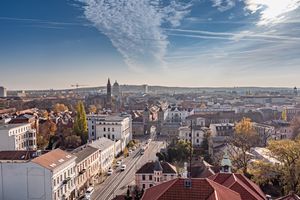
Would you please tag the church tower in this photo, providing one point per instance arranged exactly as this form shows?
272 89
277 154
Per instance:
108 94
226 163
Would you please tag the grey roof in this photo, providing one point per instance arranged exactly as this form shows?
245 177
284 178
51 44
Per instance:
10 126
148 168
83 152
157 166
101 143
108 118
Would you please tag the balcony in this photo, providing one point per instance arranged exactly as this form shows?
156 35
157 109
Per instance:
66 180
82 171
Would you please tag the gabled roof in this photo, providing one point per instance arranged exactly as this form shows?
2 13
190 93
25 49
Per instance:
149 167
201 189
239 183
53 159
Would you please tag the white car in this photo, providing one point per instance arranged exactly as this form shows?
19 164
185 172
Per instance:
130 151
123 167
89 192
119 163
110 171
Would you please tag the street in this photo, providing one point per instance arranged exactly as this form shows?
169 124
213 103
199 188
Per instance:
117 183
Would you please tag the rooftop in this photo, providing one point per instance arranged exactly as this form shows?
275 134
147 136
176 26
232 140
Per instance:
111 118
201 189
53 159
149 167
11 126
83 152
101 143
18 155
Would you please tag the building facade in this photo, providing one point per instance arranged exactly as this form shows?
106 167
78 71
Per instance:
28 175
17 137
117 127
154 173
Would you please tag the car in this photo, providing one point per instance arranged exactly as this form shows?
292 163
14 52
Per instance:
110 171
123 167
130 151
119 163
133 148
89 192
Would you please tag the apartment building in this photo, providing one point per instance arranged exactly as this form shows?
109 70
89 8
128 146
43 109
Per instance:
113 127
17 137
31 175
106 149
87 167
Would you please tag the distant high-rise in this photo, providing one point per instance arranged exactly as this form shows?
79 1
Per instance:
108 94
3 92
295 91
116 89
145 88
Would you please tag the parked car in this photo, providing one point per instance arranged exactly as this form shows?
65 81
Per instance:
89 192
130 151
110 171
123 167
119 163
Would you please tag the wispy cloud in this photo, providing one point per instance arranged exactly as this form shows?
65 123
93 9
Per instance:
271 11
236 36
135 27
223 5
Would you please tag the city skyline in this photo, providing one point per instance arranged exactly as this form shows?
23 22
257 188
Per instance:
192 43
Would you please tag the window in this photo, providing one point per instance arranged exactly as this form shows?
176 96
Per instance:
144 186
150 185
113 136
108 129
104 130
143 177
93 127
150 178
112 129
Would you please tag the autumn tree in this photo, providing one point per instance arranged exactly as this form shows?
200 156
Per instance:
296 126
245 137
284 115
288 153
80 123
59 107
92 109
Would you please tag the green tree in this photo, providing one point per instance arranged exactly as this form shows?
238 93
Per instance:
179 152
72 141
80 122
205 147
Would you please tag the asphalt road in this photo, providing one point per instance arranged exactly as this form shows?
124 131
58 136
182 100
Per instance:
118 182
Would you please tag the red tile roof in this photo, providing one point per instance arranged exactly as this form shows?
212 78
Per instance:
239 183
201 189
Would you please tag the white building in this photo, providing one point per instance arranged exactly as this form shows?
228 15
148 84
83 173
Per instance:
177 114
107 152
17 137
154 173
197 134
110 126
87 167
3 92
26 175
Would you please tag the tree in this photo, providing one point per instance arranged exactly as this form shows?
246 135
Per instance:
41 141
288 153
205 146
80 123
92 109
59 107
284 115
244 138
296 126
125 152
179 152
72 141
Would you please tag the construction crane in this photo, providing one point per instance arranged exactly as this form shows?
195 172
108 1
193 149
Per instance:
78 85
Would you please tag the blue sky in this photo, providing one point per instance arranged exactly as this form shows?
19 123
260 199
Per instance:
56 43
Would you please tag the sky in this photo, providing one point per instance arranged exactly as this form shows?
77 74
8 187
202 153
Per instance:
54 44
